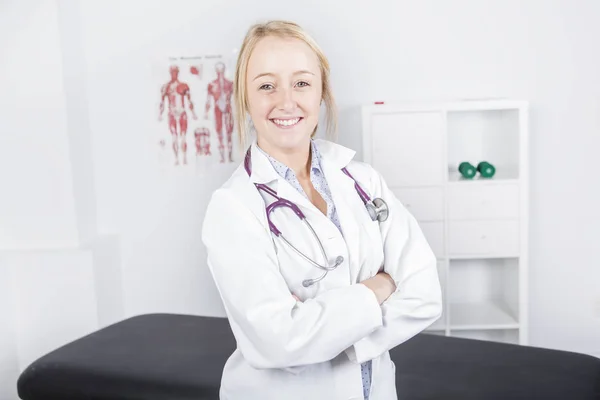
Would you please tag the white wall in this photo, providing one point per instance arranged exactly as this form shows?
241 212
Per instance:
36 201
9 367
388 50
51 258
77 106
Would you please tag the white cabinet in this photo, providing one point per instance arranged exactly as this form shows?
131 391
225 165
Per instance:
409 144
483 202
426 204
434 232
477 227
483 238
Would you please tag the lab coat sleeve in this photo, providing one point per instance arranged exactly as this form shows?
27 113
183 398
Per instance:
272 330
409 260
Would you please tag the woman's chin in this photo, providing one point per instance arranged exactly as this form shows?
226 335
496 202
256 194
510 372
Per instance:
300 140
292 138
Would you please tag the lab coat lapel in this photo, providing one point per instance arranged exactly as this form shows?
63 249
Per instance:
287 191
263 172
347 203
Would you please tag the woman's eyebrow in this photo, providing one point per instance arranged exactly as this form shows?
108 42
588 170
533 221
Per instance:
303 71
300 72
263 74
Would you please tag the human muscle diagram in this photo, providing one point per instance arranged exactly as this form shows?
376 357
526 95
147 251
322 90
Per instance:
196 70
185 141
219 96
202 136
177 95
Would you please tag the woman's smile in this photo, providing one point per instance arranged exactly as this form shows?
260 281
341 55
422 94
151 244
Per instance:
286 123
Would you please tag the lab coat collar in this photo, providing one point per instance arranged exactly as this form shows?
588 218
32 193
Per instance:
262 170
335 155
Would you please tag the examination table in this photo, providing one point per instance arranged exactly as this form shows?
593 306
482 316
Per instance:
181 357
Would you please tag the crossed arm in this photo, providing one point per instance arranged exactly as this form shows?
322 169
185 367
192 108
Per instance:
416 302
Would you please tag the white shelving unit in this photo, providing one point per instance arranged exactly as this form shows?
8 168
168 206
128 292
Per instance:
478 228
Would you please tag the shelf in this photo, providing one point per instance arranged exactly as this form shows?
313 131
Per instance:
503 174
450 105
483 294
484 135
485 104
480 315
479 256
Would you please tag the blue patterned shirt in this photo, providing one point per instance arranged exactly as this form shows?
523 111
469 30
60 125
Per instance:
320 184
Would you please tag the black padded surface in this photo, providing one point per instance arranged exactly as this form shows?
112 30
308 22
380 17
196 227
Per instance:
449 368
180 357
156 356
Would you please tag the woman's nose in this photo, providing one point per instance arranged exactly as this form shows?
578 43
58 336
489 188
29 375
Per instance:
286 100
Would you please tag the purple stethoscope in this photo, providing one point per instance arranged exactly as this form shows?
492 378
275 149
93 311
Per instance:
377 209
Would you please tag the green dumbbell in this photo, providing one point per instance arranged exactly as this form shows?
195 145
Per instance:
486 169
467 170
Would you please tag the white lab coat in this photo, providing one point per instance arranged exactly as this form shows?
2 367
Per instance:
312 349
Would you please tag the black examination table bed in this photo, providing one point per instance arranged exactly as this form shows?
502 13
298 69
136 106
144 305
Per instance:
181 357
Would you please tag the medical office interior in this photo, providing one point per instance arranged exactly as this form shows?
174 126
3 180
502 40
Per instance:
99 222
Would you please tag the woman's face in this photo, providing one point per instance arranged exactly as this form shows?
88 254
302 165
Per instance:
284 93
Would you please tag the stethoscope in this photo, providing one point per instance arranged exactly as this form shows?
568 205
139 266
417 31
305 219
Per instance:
377 209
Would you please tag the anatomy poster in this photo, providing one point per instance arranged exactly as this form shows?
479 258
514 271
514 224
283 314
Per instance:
195 114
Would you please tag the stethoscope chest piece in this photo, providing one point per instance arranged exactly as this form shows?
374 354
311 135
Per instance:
378 209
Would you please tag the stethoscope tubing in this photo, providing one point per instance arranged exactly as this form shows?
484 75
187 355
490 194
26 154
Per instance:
281 202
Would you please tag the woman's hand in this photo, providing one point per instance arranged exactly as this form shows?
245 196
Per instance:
382 285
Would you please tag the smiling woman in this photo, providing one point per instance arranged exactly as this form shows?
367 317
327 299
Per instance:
301 335
279 65
283 98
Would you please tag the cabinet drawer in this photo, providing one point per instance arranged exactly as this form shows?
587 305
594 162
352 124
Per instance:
426 204
434 233
499 238
478 201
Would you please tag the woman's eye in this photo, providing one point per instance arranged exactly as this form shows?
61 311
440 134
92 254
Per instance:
302 84
266 86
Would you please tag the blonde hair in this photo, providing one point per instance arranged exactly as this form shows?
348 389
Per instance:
282 29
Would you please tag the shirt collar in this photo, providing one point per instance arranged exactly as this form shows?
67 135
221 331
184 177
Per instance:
286 172
333 157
